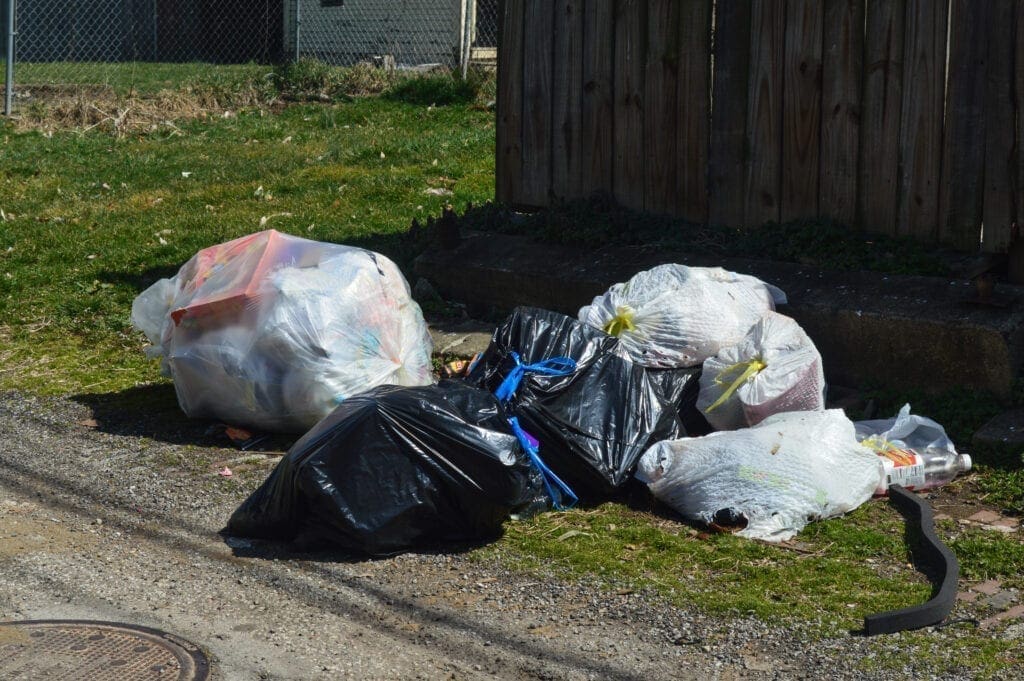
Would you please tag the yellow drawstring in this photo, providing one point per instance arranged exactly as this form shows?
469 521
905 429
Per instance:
753 367
622 321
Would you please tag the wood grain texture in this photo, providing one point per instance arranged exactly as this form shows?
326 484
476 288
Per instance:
764 113
801 111
727 180
1000 121
842 69
693 96
537 103
509 100
597 107
961 191
660 106
924 75
566 146
878 169
630 53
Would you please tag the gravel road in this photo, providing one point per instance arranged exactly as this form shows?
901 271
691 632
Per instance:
98 522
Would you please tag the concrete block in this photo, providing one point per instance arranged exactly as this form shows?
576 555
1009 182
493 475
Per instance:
872 329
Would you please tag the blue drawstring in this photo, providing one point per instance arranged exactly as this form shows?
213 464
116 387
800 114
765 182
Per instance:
554 366
532 448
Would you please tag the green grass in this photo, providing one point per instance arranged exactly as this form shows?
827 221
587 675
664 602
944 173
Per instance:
93 219
132 77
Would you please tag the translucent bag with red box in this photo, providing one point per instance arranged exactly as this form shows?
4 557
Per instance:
272 331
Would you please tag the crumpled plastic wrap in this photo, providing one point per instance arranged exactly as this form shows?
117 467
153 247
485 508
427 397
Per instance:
776 476
674 316
906 430
774 369
272 331
396 469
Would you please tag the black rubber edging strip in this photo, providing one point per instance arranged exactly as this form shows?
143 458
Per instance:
933 552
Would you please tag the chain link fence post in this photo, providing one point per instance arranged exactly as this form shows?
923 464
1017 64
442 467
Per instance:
298 30
9 65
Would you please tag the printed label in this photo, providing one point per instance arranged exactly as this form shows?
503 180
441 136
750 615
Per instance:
900 467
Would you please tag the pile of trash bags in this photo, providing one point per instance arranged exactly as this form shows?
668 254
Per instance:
683 378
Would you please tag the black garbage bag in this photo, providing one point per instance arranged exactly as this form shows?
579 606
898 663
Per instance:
593 420
394 469
681 388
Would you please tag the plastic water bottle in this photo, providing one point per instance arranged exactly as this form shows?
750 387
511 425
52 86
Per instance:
919 470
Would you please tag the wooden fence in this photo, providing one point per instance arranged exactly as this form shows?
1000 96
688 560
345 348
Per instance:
895 116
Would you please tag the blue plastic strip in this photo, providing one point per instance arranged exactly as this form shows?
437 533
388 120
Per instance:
532 448
554 366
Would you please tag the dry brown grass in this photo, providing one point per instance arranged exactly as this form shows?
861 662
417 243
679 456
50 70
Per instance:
99 108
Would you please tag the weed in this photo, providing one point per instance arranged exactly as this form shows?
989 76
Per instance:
435 90
599 221
313 80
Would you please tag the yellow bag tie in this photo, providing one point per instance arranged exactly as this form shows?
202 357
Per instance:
753 367
622 321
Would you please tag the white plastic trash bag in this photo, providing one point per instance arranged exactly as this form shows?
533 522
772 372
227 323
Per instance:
674 316
774 369
272 331
779 475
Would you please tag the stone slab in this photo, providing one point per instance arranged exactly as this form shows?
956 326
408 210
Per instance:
872 329
1004 430
460 339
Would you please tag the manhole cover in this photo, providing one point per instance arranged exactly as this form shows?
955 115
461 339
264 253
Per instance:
96 651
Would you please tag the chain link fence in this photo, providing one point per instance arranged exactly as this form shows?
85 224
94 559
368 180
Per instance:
135 45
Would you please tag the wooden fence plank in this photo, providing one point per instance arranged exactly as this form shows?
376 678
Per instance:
801 111
963 145
509 131
660 106
924 76
999 129
537 101
877 185
842 68
598 97
1015 258
727 153
693 106
764 112
568 91
630 28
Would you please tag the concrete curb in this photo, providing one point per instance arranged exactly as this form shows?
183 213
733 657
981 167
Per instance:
872 329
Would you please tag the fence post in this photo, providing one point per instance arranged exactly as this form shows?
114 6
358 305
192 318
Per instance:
9 75
467 35
298 30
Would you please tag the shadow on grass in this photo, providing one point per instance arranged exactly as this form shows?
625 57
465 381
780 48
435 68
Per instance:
138 281
152 411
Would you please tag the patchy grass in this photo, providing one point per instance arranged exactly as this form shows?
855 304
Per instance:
91 219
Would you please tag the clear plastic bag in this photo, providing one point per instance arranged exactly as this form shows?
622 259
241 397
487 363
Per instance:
914 451
774 369
674 316
272 331
775 477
